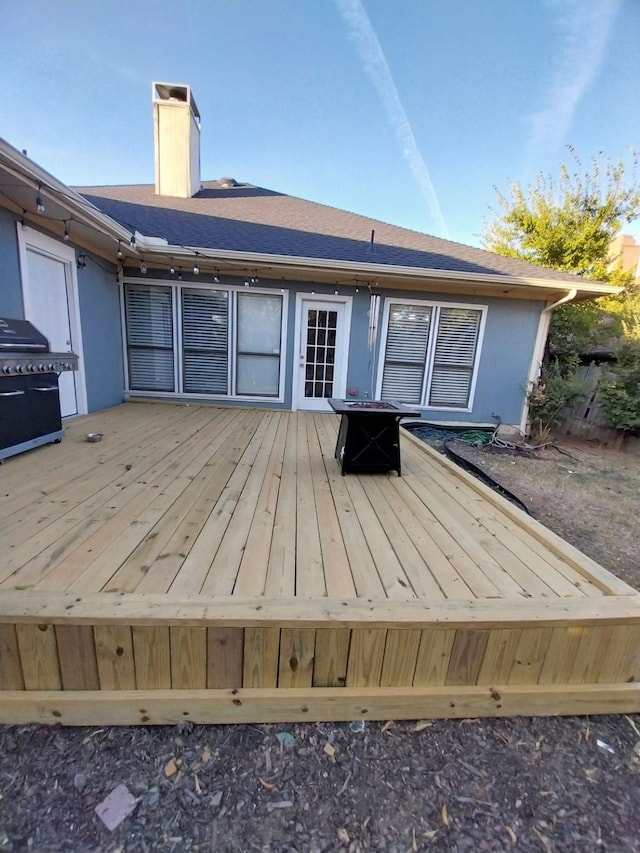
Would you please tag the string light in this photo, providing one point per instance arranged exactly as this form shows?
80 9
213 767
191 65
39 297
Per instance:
39 202
143 267
120 253
216 280
196 268
179 273
172 269
65 236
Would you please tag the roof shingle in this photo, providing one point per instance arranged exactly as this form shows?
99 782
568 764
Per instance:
245 218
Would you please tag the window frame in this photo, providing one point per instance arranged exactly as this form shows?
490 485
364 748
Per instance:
176 297
435 306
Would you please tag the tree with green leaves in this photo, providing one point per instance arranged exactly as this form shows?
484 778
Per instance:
568 223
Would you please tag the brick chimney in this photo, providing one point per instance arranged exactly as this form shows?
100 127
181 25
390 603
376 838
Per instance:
176 129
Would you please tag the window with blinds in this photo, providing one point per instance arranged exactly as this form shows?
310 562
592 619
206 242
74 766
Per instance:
258 345
228 341
454 357
205 341
431 354
149 317
406 352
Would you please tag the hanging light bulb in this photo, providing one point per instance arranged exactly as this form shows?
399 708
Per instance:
65 236
39 202
120 253
143 267
196 268
216 280
172 270
179 273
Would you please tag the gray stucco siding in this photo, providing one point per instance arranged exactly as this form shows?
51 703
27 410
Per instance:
11 304
99 298
99 307
507 346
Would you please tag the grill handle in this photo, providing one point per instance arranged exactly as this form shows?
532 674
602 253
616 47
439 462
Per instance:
11 393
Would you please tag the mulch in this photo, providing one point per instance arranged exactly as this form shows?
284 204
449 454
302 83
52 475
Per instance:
540 784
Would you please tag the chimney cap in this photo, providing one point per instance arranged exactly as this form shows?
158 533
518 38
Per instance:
177 92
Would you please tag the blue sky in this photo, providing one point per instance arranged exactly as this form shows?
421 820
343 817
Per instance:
409 111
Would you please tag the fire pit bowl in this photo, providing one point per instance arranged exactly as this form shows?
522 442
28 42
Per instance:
93 437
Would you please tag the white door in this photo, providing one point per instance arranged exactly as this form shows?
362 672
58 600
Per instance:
322 342
50 303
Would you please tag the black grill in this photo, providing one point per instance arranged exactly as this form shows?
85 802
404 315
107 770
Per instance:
29 395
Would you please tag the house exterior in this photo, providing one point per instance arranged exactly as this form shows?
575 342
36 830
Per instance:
230 293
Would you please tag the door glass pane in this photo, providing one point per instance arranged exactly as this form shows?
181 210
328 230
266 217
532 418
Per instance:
319 377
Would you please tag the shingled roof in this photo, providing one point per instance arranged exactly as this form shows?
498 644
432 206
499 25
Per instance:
226 215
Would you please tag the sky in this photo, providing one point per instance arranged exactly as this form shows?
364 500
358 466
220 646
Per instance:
409 111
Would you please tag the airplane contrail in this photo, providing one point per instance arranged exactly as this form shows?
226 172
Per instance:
584 28
375 65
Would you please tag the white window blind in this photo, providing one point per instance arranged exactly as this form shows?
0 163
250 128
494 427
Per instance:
454 357
205 337
258 346
405 355
149 315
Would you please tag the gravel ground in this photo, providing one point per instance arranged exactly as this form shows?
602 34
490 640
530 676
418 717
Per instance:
545 785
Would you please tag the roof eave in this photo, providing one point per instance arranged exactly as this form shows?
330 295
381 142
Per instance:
370 272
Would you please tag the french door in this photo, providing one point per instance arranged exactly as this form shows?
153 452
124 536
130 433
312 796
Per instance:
322 345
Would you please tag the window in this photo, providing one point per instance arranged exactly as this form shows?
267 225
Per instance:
258 345
196 340
149 315
431 354
205 336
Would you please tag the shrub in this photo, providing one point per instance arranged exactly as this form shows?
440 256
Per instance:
619 390
558 388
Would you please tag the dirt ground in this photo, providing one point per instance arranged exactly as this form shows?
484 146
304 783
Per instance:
542 785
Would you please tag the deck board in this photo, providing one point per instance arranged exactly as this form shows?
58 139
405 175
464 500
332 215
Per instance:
219 552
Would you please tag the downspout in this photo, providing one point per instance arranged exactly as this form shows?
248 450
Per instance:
538 351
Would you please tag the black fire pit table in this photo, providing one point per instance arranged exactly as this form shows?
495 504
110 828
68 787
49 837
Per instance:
369 435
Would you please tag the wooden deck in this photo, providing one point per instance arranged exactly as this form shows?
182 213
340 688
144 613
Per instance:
212 564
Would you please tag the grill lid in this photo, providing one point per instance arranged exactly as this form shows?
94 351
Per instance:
21 336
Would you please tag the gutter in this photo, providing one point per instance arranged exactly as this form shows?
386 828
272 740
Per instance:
377 271
538 350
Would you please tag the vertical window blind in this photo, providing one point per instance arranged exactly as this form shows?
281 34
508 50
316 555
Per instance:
431 354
